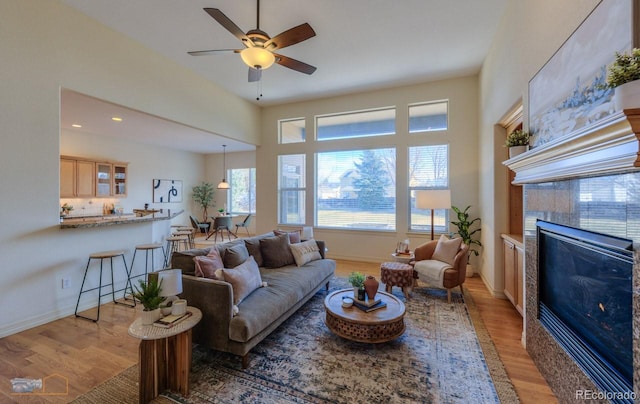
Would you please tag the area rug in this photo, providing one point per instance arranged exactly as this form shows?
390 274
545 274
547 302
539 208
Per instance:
439 359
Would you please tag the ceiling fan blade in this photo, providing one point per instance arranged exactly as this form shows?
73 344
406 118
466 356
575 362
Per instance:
290 37
229 25
254 74
294 64
212 52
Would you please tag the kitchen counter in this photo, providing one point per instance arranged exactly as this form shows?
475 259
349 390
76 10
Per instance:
112 220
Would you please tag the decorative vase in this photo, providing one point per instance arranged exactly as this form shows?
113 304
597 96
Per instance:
150 316
355 292
469 271
627 96
361 294
517 150
371 286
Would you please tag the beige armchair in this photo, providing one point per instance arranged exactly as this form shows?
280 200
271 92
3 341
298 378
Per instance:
447 273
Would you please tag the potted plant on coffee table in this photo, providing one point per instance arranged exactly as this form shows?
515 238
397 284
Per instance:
517 142
149 295
624 77
469 236
356 279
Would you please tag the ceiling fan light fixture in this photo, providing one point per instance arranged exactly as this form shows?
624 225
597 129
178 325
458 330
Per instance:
256 57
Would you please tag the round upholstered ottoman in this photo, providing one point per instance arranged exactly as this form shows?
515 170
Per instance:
397 274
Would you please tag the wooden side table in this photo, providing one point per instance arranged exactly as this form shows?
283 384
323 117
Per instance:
164 356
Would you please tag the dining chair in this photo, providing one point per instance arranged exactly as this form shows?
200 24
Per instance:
245 223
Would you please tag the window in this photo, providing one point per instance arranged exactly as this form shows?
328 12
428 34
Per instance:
292 131
356 189
242 195
428 169
428 117
356 124
291 189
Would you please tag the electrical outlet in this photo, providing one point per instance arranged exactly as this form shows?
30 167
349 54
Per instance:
66 283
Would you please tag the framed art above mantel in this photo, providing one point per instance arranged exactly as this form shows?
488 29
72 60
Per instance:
566 94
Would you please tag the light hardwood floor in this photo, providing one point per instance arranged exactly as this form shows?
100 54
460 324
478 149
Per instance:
87 353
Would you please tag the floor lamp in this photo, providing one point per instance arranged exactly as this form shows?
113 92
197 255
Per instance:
433 199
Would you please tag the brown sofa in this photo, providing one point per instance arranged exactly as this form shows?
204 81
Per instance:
288 288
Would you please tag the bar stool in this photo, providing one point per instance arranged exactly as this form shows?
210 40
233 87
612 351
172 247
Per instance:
110 255
175 243
186 232
147 248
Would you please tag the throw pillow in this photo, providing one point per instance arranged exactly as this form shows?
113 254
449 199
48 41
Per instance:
206 266
306 251
235 255
446 249
253 246
276 252
294 236
244 279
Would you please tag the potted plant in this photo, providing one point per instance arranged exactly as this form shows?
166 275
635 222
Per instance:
469 236
203 196
149 295
624 76
66 208
517 142
356 279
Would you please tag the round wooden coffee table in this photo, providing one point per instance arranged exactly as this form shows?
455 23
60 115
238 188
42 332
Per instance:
376 326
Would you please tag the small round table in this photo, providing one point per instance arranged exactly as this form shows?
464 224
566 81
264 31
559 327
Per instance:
376 326
397 274
164 356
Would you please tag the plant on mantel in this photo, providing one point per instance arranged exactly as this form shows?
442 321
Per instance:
518 137
625 68
624 76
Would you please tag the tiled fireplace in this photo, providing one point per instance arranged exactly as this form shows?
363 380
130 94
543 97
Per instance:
591 182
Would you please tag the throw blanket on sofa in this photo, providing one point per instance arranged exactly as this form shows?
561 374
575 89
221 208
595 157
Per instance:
432 271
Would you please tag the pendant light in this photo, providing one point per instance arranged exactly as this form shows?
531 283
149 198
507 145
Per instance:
224 184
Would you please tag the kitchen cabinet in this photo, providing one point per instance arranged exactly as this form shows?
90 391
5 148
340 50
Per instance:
85 178
104 179
76 178
513 271
119 179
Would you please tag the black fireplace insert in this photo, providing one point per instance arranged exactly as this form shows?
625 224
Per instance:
585 300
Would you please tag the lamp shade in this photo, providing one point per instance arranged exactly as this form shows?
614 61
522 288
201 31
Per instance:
307 233
433 199
224 184
257 57
171 282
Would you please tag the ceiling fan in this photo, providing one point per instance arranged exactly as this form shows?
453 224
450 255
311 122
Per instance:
259 49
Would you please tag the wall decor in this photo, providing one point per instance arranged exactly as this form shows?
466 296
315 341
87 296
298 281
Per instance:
566 94
166 191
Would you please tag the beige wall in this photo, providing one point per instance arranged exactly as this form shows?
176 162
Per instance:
462 137
528 35
45 46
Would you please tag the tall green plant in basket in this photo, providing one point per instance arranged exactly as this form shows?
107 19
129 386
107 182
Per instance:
469 236
203 196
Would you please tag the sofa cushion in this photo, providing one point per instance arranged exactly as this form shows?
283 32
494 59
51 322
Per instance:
306 251
244 279
253 246
184 259
446 249
294 236
276 252
206 265
286 287
235 255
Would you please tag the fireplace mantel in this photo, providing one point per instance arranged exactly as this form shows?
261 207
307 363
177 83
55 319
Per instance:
609 146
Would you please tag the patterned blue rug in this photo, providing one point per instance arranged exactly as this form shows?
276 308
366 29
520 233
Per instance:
437 360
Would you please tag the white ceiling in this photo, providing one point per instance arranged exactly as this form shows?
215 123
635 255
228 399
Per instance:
359 44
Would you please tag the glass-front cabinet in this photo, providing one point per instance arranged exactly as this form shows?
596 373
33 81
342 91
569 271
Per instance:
119 179
103 179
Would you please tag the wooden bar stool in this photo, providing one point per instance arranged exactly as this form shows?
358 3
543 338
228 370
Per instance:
110 255
175 243
147 248
188 233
